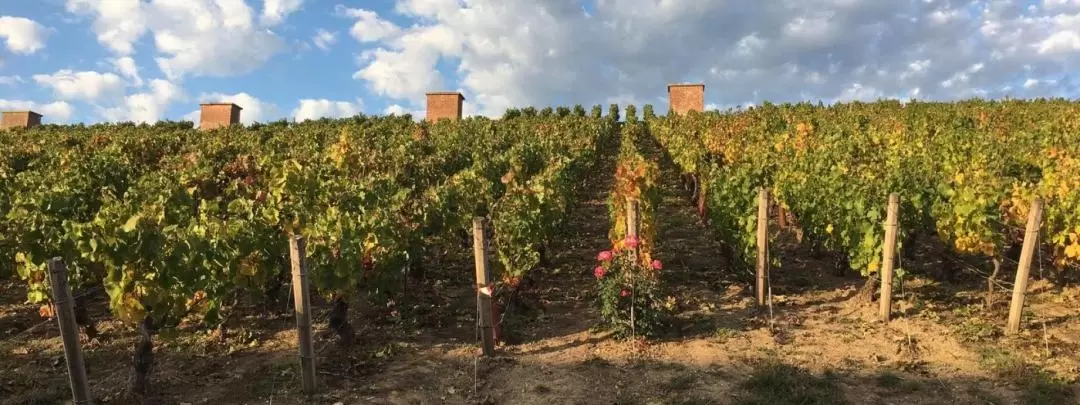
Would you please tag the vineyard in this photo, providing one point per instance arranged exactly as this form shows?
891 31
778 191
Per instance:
721 257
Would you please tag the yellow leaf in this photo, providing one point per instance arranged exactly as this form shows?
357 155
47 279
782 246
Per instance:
1073 251
131 223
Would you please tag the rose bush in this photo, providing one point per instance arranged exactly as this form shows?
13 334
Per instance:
630 297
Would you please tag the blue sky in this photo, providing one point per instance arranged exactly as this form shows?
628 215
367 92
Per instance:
72 59
298 70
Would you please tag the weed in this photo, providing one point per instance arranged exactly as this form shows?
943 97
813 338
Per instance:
896 383
681 382
975 329
721 335
1037 387
596 362
776 383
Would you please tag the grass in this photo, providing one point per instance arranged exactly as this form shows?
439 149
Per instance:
776 383
1037 387
722 335
896 383
975 329
681 382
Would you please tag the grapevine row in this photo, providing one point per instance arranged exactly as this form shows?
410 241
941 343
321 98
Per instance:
965 171
173 222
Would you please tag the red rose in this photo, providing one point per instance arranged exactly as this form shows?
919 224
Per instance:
604 256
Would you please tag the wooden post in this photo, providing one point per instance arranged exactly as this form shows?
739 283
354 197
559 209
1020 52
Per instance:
632 228
1031 236
887 255
701 207
298 254
762 243
483 287
69 331
632 223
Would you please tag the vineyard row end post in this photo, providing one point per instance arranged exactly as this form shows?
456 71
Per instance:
302 302
762 243
484 288
1027 253
888 255
632 222
632 228
69 331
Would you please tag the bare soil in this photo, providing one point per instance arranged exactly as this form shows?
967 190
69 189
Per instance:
815 348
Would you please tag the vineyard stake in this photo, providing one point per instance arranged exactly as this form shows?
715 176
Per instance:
632 231
1031 235
887 256
483 287
69 331
762 243
632 224
302 300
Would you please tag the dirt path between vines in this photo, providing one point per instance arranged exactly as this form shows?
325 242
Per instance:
721 350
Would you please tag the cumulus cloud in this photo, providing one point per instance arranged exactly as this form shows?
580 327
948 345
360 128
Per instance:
417 114
22 35
274 11
11 80
55 112
87 86
324 39
148 106
197 37
118 24
314 109
125 65
368 27
253 109
557 52
399 110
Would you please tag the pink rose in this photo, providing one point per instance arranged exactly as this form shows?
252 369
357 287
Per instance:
624 293
599 272
657 265
604 256
632 242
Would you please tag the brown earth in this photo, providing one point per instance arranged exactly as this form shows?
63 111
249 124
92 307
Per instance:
816 348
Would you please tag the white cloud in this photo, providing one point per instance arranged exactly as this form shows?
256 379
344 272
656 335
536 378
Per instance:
396 109
118 24
274 11
147 106
125 65
368 27
324 39
197 37
22 35
55 112
1060 42
87 86
11 80
253 109
515 53
402 75
314 109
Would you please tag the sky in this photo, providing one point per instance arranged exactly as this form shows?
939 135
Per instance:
148 60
